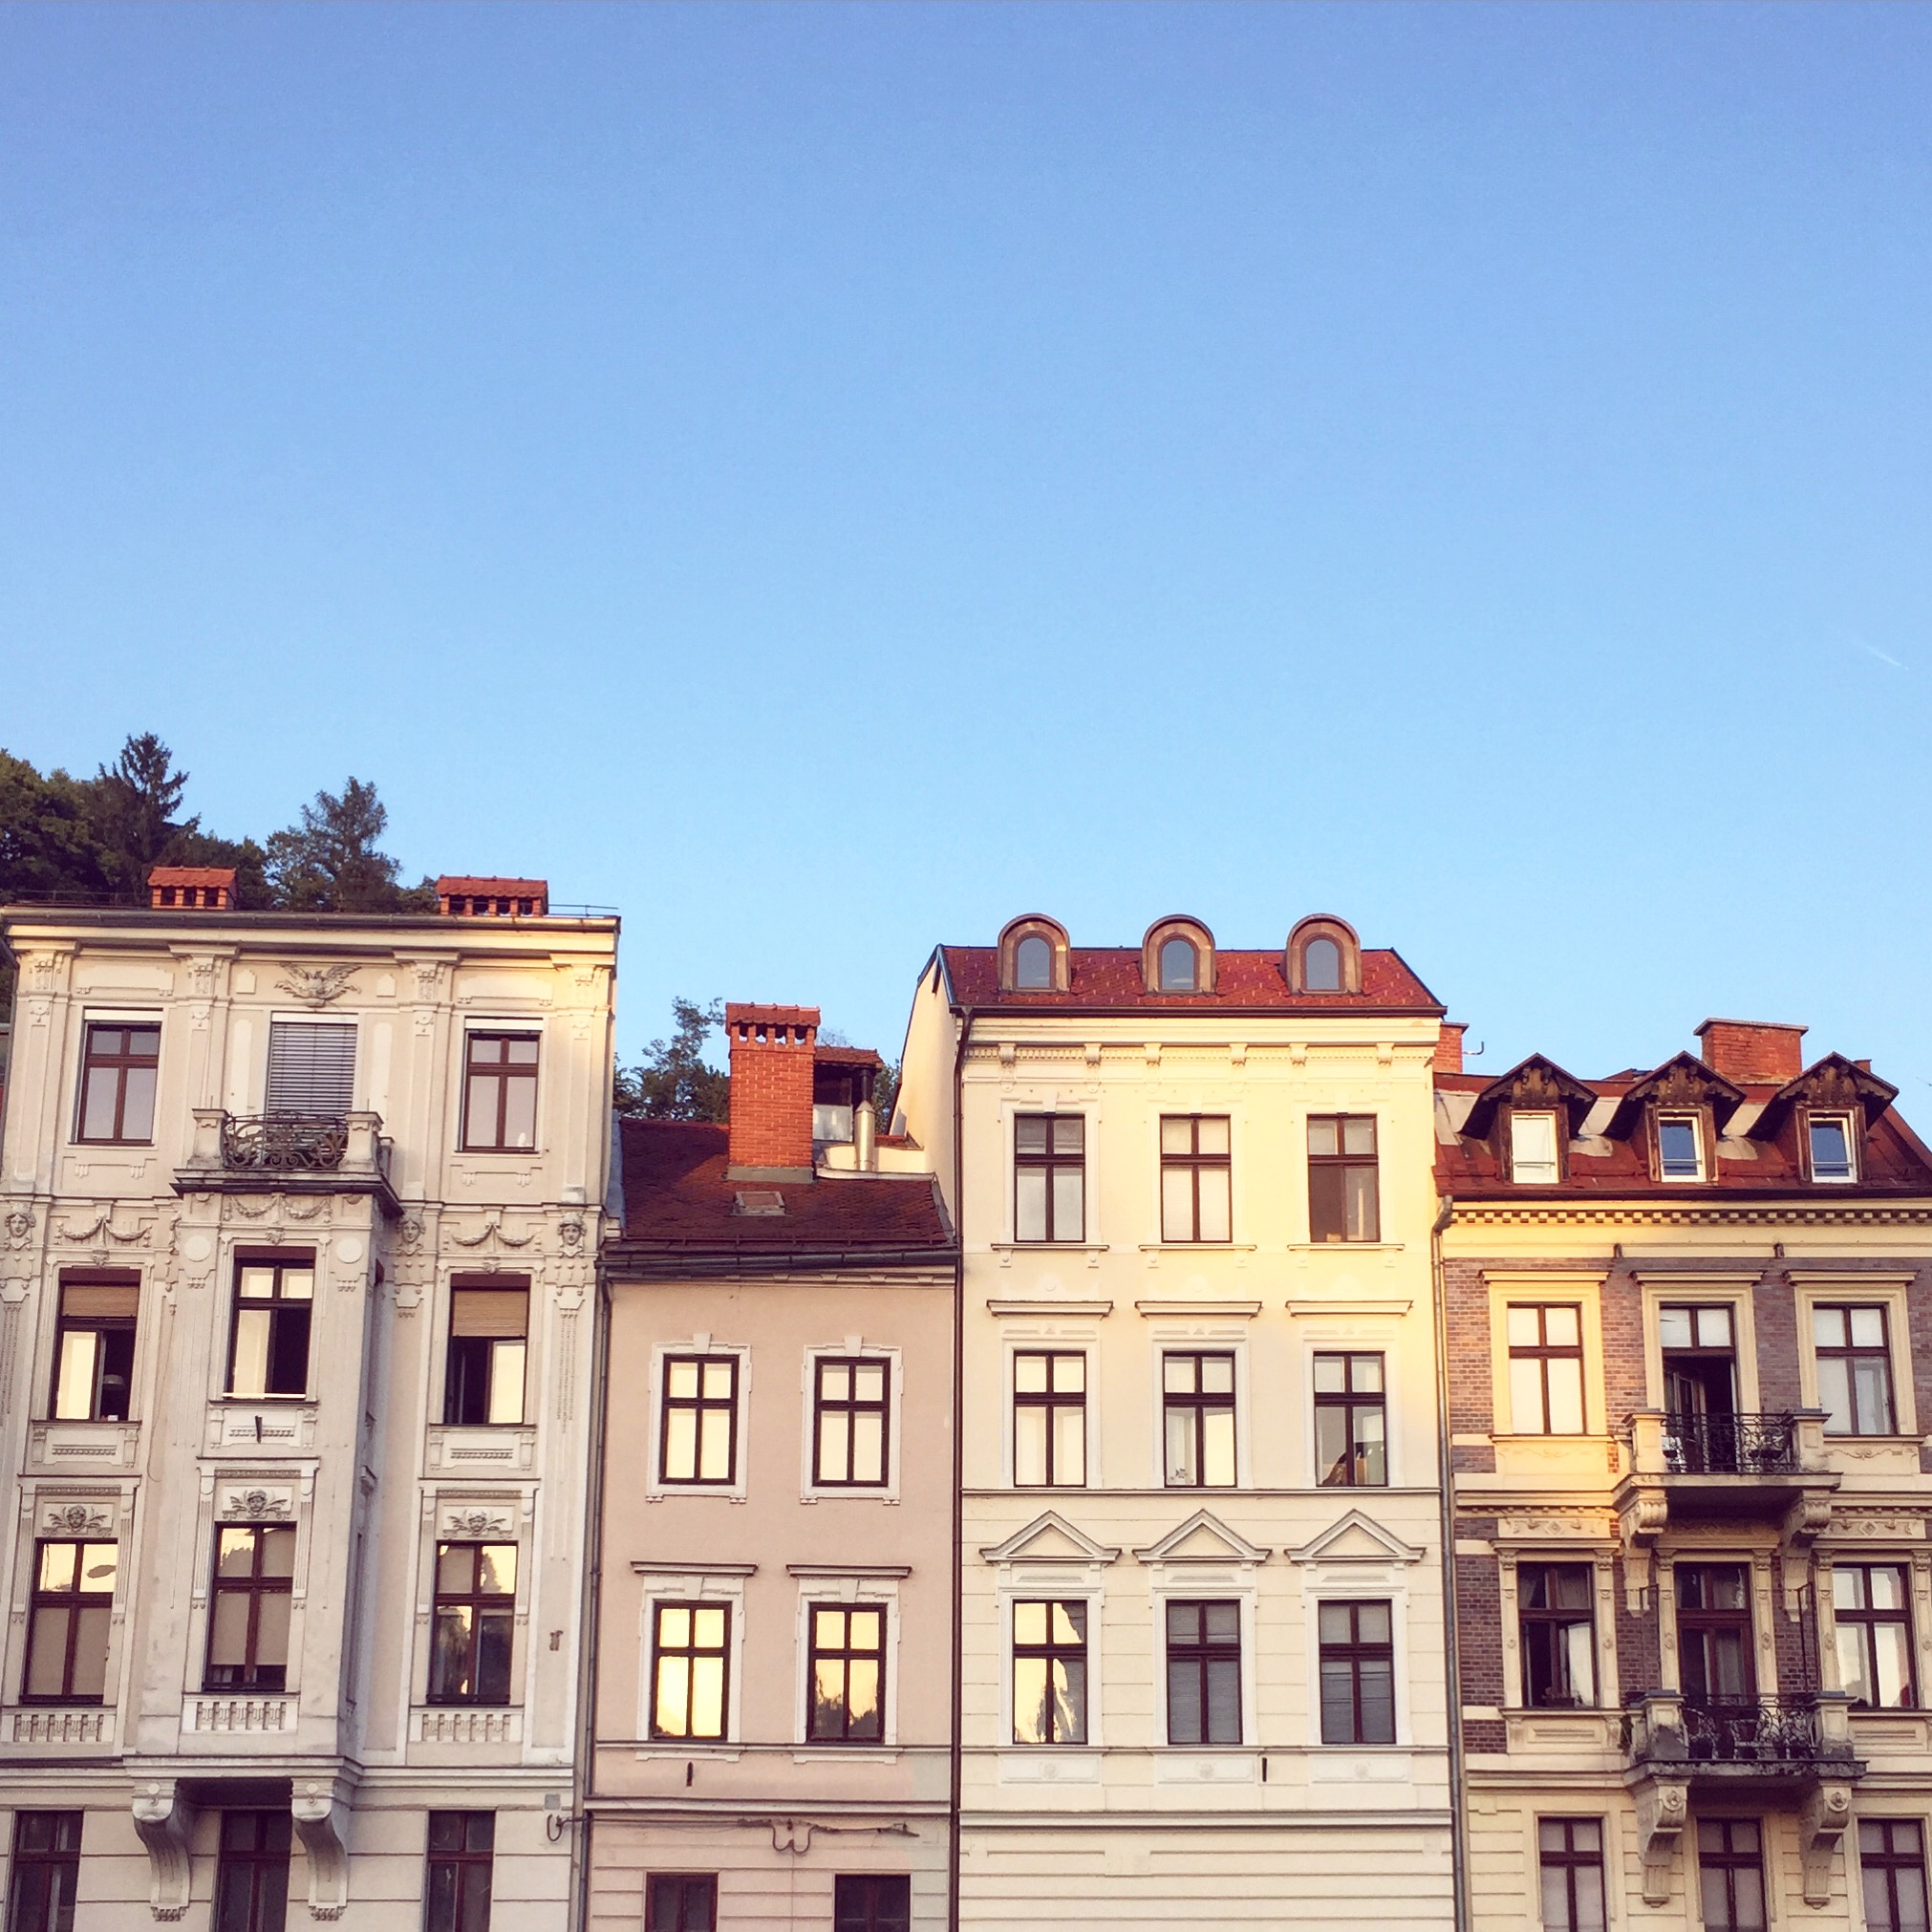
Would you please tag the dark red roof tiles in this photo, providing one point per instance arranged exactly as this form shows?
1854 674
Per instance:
1110 976
676 1196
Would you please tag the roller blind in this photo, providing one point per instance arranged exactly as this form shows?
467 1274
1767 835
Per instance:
78 1301
312 1066
502 1313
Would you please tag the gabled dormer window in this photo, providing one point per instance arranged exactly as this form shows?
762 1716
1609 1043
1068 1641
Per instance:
1832 1148
1680 1146
1532 1147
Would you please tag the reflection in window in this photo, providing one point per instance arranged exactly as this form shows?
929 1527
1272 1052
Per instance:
1873 1612
1554 1605
1049 1673
1855 1369
1546 1369
500 1095
698 1441
488 1338
249 1620
1197 1394
461 1852
1351 1434
1033 964
46 1871
850 1436
1180 966
269 1353
118 1077
1830 1135
688 1669
1532 1147
476 1608
1680 1148
67 1623
848 1666
94 1350
1194 1178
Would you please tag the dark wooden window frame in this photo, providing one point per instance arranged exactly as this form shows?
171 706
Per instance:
698 1406
470 1362
468 1845
1200 1403
1344 1162
871 1901
1049 1163
1730 1858
282 1309
1553 1618
1704 1618
1348 1400
1850 1353
73 1601
1051 1650
1866 1621
1569 1859
846 1655
499 1605
266 1864
1888 1847
500 1074
851 1407
122 1328
1355 1653
253 1673
1203 1652
46 1870
114 1065
1543 1351
691 1652
668 1899
1049 1402
1194 1163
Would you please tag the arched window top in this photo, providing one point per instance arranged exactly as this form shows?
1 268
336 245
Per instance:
1033 957
1324 956
1178 957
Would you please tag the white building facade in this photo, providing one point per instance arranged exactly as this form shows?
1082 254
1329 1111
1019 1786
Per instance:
298 1225
1201 1660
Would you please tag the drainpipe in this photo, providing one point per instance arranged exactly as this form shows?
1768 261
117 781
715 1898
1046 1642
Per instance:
864 1137
1459 1846
965 1025
585 1781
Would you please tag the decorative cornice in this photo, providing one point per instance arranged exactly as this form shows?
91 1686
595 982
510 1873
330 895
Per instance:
1629 1213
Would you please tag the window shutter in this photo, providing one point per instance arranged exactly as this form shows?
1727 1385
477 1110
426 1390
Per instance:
78 1300
311 1068
502 1313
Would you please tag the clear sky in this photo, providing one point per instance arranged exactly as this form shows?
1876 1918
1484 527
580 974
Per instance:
827 480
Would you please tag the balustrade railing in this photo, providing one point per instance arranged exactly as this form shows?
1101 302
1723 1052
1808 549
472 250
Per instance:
285 1143
1730 1445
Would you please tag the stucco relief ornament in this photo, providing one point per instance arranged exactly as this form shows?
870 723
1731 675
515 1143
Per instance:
411 1230
479 1522
257 1503
315 986
19 1225
572 1235
78 1519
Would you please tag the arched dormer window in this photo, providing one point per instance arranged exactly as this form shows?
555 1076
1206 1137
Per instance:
1323 955
1178 957
1033 957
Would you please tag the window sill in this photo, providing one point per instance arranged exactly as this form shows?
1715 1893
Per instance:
1198 1247
257 1400
710 1748
855 1754
499 1153
1347 1247
1048 1247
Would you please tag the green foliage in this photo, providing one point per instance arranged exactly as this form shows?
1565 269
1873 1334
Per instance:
885 1094
329 861
672 1081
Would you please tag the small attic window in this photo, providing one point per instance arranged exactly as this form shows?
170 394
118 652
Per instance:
759 1201
1323 955
1680 1148
1830 1138
1033 964
1180 966
1532 1147
1321 962
1033 956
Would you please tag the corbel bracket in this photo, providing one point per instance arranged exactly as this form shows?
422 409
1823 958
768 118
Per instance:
164 1819
321 1815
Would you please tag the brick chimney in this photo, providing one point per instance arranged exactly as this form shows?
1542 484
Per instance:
771 1090
205 889
1752 1049
1449 1046
460 897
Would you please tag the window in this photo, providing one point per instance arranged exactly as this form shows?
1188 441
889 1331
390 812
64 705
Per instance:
851 1422
1731 1875
1855 1369
1204 1673
1194 1173
270 1352
1546 1369
249 1620
118 1072
1532 1147
1049 1673
46 1871
848 1673
1049 1418
67 1623
698 1436
499 1091
688 1669
457 1888
1713 1631
1033 964
1829 1138
1892 1862
488 1340
94 1348
871 1902
1558 1634
681 1902
1358 1674
1343 1192
1351 1435
476 1610
311 1068
251 1872
1322 966
1198 1395
1872 1605
1180 965
1680 1148
1049 1177
1570 1854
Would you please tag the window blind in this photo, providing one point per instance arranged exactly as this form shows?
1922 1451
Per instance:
311 1068
502 1313
80 1299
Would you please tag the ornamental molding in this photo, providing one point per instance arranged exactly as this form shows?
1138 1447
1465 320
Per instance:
256 1505
315 986
78 1520
477 1523
1589 1214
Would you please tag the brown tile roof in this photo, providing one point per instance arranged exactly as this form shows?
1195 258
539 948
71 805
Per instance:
504 888
1110 977
677 1198
191 875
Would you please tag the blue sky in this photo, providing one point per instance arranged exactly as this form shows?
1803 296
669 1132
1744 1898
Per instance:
827 480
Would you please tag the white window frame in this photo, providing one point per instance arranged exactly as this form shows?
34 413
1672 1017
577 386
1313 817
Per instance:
855 1347
656 1488
692 1583
1695 1120
863 1588
1849 1121
1517 1163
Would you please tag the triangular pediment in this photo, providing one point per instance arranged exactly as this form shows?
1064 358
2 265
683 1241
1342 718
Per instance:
1537 1083
1682 1081
1828 1083
1203 1538
1049 1539
1356 1539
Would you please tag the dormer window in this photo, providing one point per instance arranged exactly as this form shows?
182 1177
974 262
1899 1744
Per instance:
1033 964
1180 966
1321 964
1680 1148
1832 1148
1033 957
1323 955
1532 1147
1177 955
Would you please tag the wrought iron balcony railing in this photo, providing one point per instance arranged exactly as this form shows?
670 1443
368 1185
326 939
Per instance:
1730 1445
1777 1735
283 1143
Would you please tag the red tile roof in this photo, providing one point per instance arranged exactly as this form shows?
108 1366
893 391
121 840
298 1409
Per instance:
677 1198
191 875
504 888
1110 977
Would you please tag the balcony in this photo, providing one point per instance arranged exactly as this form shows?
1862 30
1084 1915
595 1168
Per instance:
1694 1468
288 1154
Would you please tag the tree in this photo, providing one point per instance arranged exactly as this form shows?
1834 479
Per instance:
50 836
135 806
328 863
672 1081
885 1094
